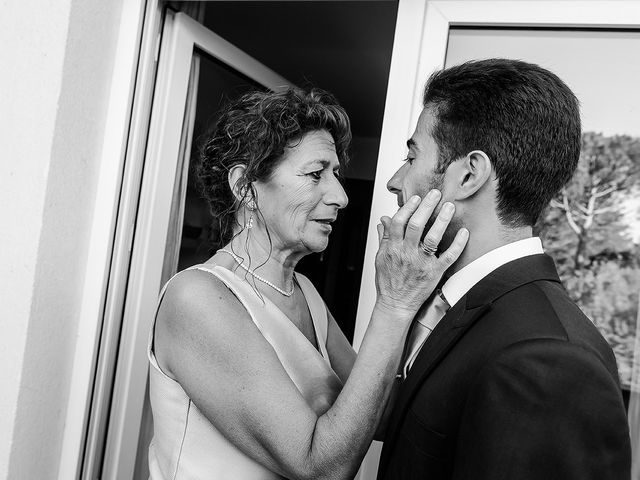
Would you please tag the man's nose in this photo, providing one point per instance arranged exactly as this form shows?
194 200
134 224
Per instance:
394 185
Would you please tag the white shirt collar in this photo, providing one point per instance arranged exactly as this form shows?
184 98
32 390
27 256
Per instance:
464 279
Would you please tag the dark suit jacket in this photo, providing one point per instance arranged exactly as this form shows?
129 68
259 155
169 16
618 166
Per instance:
514 383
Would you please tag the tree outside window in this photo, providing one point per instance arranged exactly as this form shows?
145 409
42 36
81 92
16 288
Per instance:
592 230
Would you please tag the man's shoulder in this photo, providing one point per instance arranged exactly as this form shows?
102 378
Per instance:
543 310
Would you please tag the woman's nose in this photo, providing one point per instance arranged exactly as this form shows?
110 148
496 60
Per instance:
336 194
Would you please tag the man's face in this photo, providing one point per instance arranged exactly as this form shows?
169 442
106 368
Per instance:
418 175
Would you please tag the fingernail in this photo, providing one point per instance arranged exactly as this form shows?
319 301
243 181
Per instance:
464 232
448 208
433 194
415 199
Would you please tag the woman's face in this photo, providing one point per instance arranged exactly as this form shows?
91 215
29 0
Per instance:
302 198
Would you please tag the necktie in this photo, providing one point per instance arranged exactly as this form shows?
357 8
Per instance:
422 327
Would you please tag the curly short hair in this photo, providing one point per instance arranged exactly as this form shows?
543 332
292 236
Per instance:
525 118
254 131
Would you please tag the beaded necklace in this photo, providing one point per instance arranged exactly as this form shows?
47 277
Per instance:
256 276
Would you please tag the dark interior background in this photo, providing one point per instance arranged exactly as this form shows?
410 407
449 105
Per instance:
343 47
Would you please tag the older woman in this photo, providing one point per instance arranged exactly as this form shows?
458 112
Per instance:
251 377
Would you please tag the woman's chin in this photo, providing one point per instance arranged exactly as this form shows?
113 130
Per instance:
317 245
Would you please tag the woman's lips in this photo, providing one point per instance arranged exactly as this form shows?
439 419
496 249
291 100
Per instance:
325 223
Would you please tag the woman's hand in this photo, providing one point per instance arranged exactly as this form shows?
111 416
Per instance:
407 270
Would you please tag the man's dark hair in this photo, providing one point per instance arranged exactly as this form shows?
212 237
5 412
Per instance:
521 115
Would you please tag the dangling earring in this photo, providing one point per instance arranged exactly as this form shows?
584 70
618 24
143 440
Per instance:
248 224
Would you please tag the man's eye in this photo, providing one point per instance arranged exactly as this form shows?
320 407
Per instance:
317 175
409 159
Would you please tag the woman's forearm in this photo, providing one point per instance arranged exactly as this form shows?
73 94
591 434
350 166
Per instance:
343 434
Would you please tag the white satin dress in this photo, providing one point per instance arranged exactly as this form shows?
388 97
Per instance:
185 444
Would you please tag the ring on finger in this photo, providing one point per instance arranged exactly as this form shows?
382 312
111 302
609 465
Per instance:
428 248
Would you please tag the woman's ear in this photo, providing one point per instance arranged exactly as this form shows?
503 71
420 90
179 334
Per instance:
236 173
475 173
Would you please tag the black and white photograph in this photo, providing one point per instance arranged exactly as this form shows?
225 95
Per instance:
320 239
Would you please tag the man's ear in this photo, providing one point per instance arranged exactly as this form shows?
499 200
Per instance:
234 178
475 172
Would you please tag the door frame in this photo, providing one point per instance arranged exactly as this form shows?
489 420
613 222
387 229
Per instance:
124 138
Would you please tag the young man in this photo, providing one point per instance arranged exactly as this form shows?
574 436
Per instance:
514 382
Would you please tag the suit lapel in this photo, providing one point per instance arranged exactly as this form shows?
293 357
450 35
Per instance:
458 320
449 330
446 334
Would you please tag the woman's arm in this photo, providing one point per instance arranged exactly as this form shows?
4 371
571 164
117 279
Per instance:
343 356
233 376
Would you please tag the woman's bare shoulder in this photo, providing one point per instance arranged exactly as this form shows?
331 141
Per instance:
198 313
199 293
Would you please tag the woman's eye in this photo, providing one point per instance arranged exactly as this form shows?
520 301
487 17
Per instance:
410 160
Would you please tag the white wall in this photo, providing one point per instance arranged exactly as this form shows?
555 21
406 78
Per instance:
57 61
32 38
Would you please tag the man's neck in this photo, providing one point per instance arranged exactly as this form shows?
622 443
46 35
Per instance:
484 240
